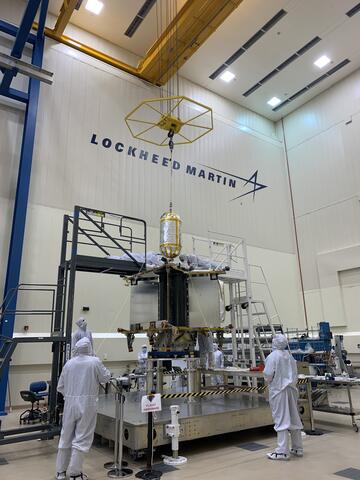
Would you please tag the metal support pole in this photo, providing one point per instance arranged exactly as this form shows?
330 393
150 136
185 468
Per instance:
149 377
313 430
190 377
351 409
160 377
116 467
241 321
150 441
71 293
309 395
233 323
149 473
58 325
292 202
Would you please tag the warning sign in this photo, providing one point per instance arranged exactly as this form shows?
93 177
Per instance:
151 403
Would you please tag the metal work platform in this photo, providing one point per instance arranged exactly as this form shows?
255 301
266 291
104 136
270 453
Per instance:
93 241
199 418
91 264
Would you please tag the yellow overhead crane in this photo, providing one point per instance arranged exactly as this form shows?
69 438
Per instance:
188 30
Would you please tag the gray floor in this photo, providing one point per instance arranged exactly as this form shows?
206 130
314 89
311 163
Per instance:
220 457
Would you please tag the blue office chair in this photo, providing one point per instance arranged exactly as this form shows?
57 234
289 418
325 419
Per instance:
39 389
31 415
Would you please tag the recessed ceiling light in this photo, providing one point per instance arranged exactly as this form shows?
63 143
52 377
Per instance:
274 101
94 6
322 61
227 76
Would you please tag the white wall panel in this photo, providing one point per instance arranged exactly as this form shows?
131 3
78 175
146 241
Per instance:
72 111
11 120
324 148
331 228
337 104
326 168
230 110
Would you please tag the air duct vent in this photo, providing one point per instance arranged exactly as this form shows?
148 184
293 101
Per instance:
309 45
218 72
283 65
265 28
353 11
144 10
274 20
312 84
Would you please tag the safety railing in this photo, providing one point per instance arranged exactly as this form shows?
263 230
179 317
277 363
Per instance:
108 234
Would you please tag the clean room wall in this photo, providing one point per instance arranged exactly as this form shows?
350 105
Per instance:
89 98
324 149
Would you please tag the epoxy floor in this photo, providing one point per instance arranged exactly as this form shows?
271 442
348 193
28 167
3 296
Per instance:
213 458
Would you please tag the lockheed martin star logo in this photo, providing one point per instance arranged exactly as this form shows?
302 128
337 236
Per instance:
252 181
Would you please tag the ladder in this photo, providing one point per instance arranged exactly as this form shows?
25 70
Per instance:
253 324
263 329
7 344
6 350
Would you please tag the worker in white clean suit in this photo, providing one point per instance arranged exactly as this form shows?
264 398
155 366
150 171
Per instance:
206 350
81 332
281 375
142 363
218 363
79 384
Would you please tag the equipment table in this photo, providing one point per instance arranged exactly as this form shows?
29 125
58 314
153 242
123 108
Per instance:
340 383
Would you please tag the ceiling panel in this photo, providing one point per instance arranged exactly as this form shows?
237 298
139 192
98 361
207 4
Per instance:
115 18
305 19
214 52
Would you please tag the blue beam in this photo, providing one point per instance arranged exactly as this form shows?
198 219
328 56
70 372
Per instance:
42 21
25 27
12 30
20 34
21 198
19 219
7 79
15 94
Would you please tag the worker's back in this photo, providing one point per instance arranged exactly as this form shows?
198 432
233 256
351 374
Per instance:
281 367
81 377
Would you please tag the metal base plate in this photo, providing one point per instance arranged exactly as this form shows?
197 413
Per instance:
113 465
174 461
315 433
149 474
119 473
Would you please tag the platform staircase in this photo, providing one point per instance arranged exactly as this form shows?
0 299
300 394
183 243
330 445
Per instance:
254 320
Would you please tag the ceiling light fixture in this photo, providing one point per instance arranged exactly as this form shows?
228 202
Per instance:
274 101
322 61
227 76
94 6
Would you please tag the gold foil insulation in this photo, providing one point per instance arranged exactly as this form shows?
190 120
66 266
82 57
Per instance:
170 235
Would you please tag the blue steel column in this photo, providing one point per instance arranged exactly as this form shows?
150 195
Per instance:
22 192
21 39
